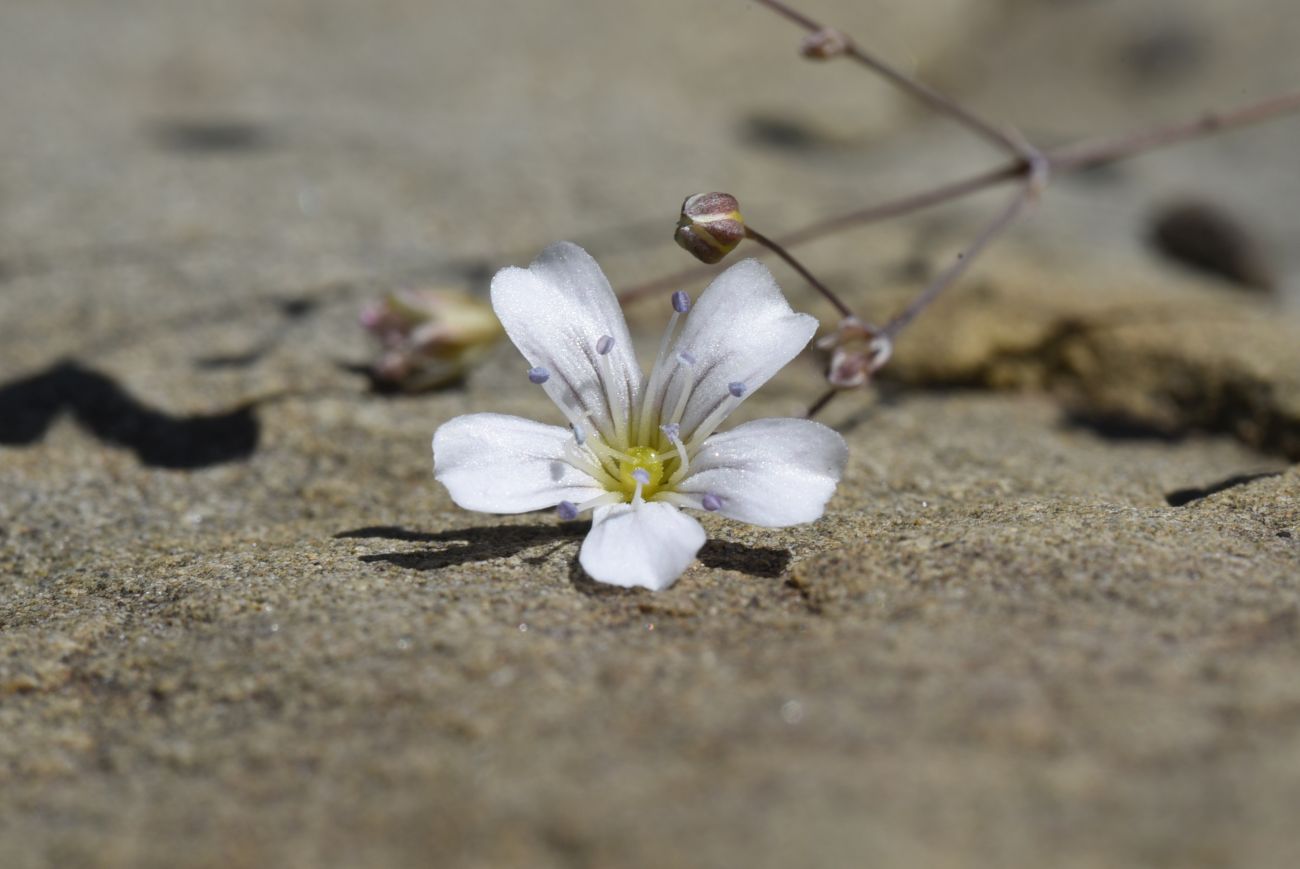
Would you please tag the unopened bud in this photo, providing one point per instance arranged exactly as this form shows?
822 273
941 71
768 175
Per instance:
429 338
824 44
857 351
710 226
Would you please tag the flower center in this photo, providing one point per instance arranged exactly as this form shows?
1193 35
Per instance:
643 459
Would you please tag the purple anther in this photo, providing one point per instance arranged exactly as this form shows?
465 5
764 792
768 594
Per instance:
604 344
681 301
642 476
538 375
567 510
737 389
671 430
711 502
578 434
686 357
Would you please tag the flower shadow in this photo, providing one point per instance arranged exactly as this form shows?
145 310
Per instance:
487 542
482 543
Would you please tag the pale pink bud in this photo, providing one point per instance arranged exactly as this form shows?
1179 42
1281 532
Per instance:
857 350
429 337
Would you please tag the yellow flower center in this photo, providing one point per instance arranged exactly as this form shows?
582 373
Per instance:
647 460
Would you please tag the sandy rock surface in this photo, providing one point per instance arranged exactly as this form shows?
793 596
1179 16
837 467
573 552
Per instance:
1051 618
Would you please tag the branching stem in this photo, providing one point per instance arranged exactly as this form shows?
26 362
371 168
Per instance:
779 250
904 82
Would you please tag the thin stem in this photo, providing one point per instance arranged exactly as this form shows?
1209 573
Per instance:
1063 160
1096 152
903 81
845 310
905 205
995 228
820 404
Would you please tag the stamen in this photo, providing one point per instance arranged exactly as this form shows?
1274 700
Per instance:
711 502
690 502
538 375
672 431
604 344
642 477
579 435
568 510
597 470
601 501
735 392
681 304
606 451
686 358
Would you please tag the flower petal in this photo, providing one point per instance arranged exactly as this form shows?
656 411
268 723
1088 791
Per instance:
647 545
503 464
555 311
741 330
770 472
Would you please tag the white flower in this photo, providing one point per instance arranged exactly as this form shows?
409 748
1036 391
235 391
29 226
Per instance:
637 449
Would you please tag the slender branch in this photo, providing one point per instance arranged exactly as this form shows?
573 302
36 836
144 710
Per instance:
919 90
1063 160
774 247
820 404
1096 152
949 276
1066 159
903 206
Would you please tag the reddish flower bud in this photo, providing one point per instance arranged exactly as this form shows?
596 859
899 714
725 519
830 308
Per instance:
428 337
711 226
857 350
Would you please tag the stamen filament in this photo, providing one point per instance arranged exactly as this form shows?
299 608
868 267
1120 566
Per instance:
680 453
687 360
642 477
595 470
607 380
678 499
656 373
601 501
604 450
712 421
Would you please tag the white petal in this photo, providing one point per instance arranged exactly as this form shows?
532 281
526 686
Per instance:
647 545
770 472
503 464
740 330
555 311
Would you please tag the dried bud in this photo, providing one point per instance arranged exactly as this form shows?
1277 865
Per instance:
824 44
858 351
429 337
710 226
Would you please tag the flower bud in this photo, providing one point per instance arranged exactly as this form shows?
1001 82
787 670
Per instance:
857 351
710 226
428 337
824 44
